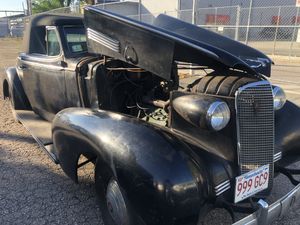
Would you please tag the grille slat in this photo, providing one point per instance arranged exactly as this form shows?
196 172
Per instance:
255 127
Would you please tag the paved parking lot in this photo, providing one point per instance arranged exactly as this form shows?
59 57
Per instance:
285 48
288 77
33 190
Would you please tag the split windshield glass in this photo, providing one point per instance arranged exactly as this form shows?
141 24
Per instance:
76 39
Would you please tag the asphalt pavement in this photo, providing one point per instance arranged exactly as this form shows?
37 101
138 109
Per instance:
287 76
283 48
34 190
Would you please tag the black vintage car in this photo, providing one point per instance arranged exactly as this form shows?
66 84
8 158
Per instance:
107 87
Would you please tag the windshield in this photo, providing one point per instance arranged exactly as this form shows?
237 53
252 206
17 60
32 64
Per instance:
76 39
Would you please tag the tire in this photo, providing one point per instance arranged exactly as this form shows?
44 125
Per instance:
13 105
112 197
13 89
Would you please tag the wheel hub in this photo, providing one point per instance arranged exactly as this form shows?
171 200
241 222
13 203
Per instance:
116 203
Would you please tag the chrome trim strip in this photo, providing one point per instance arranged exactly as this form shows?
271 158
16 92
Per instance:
47 66
222 191
224 186
263 82
274 211
103 39
277 156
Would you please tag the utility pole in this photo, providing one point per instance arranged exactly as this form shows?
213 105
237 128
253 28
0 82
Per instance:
23 8
29 7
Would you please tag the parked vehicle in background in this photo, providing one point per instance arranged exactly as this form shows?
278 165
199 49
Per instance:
107 87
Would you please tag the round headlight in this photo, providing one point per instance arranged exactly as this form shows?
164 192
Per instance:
279 97
218 115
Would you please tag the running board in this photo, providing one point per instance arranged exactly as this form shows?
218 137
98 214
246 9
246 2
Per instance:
39 129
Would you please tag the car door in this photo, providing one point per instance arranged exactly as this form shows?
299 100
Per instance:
44 77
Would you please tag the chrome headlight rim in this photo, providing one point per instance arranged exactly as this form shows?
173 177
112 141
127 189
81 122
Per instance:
211 112
279 98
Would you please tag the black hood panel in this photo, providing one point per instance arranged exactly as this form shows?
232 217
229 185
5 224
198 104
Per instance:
252 57
155 48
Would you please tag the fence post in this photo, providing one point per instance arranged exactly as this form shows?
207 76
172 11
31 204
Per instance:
140 10
237 22
216 13
194 11
276 31
294 32
249 21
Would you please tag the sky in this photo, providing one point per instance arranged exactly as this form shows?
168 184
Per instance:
11 5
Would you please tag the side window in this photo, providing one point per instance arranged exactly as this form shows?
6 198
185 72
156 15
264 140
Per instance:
53 47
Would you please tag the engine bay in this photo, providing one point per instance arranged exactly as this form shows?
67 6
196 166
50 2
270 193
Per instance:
139 93
134 91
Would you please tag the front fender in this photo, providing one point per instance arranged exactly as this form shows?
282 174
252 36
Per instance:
287 132
157 171
13 88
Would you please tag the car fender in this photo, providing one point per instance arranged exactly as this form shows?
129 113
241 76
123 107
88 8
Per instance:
13 88
287 130
161 179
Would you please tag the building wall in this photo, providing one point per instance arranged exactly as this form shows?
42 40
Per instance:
4 30
148 6
151 8
123 8
159 6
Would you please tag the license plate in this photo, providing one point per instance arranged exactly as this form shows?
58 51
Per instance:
251 183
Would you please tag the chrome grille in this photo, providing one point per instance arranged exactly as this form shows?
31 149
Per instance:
255 127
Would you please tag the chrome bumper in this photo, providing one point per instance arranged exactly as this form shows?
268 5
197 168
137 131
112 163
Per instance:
267 214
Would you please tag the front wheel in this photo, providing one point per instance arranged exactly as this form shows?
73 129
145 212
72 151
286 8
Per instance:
114 205
13 106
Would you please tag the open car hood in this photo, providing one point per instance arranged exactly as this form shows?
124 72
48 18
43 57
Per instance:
155 47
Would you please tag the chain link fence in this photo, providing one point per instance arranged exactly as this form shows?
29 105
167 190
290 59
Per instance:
273 30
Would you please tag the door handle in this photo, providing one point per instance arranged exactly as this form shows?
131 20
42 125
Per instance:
23 67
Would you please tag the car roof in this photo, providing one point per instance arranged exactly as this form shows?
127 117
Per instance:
35 29
52 19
